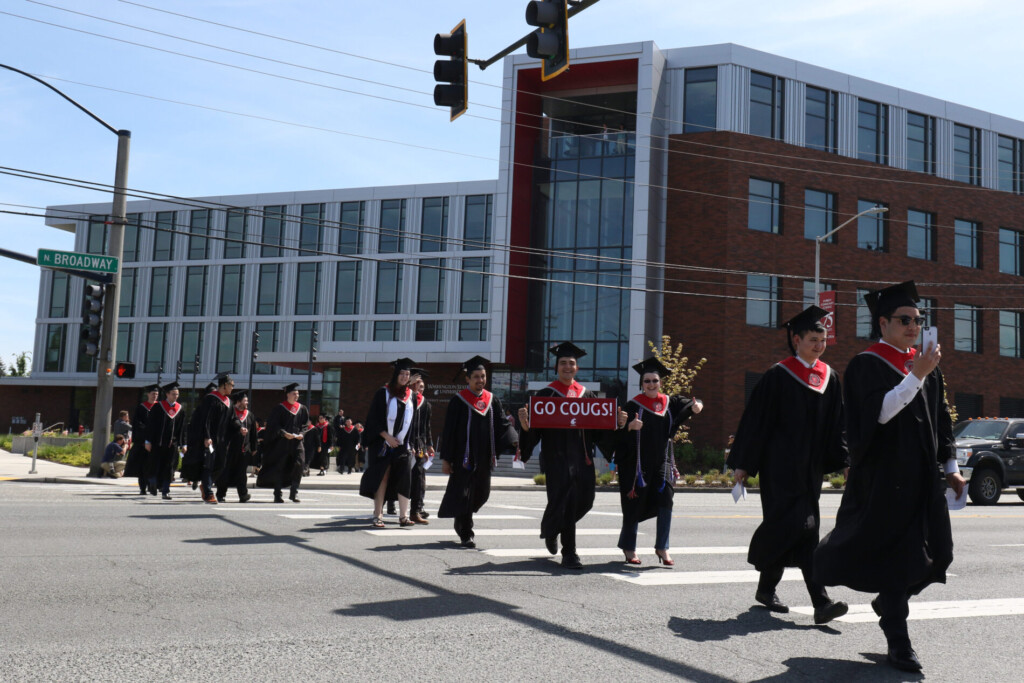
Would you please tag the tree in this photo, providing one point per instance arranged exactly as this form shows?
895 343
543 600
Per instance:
20 366
683 374
3 370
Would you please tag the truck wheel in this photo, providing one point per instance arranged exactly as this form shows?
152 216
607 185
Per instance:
985 487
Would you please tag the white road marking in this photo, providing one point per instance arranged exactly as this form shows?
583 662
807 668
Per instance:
601 552
421 531
1009 545
678 578
362 513
950 609
278 507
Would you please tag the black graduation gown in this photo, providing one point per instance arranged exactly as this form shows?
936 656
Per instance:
567 461
421 438
791 434
470 444
137 456
209 421
283 459
165 432
321 441
657 458
892 530
239 450
379 457
347 441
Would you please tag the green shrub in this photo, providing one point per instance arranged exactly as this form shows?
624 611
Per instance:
79 454
539 479
6 441
753 482
605 479
837 481
690 479
690 459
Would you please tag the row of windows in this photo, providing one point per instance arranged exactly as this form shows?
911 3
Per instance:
271 225
821 127
431 280
820 218
763 309
229 339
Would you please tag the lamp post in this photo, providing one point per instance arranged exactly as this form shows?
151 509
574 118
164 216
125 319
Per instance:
821 238
115 247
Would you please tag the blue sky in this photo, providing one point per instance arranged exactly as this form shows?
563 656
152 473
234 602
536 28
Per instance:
938 48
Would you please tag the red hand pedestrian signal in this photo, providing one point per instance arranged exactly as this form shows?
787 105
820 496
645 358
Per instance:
125 370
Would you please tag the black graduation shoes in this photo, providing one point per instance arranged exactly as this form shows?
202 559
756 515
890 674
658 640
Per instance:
572 561
772 602
833 610
904 658
551 544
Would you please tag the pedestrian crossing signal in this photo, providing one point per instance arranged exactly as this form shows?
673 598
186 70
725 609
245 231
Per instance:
124 370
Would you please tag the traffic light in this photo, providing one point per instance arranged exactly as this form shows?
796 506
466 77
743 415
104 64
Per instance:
312 346
255 346
452 74
92 319
124 370
550 42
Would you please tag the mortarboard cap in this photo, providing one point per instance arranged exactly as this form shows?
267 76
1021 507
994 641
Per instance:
291 387
474 363
403 364
222 378
419 371
239 395
169 387
150 387
209 387
652 364
883 302
567 350
805 320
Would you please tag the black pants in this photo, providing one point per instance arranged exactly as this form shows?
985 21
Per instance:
894 606
770 579
418 488
243 490
464 526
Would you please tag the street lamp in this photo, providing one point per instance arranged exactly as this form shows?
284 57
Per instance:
115 247
821 238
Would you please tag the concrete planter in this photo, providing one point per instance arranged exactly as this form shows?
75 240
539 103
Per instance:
25 444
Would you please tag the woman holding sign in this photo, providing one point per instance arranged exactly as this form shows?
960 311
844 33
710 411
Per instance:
645 460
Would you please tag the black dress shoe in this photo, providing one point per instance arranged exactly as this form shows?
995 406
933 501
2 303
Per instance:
468 543
572 561
167 496
551 544
152 490
278 499
876 606
904 658
294 498
245 498
772 602
833 610
221 499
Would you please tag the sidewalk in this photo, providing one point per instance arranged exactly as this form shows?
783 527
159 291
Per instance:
16 468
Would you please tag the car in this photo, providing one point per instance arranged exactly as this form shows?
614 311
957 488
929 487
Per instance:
990 453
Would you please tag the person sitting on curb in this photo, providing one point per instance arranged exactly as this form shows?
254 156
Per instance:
113 458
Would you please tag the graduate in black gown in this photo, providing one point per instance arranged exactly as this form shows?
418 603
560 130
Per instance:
240 433
566 459
324 440
647 426
165 433
476 431
283 455
207 438
388 449
423 448
138 455
892 533
347 439
791 434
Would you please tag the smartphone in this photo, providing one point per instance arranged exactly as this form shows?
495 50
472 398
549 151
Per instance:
929 337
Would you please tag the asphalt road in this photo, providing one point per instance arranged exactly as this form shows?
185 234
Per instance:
100 584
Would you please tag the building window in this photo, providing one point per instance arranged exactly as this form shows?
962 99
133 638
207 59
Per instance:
199 229
191 347
155 337
872 124
96 239
232 287
700 100
346 330
966 154
353 220
392 226
389 288
767 95
475 284
59 295
810 297
234 231
227 347
163 236
160 293
819 214
968 405
863 315
762 300
126 298
966 244
764 210
311 230
386 330
1011 247
307 289
966 327
195 290
346 288
434 224
132 226
821 119
54 358
428 330
1010 163
1011 406
125 336
1009 334
430 292
267 343
477 229
473 330
268 295
872 229
273 231
921 235
927 308
921 143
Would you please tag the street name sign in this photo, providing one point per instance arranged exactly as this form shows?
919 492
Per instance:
98 263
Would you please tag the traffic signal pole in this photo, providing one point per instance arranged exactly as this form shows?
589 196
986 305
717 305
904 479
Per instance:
103 407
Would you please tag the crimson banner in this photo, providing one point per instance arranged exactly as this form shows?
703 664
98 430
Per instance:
555 412
827 301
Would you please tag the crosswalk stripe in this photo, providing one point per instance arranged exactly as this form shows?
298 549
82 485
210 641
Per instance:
420 531
601 552
364 514
678 578
949 609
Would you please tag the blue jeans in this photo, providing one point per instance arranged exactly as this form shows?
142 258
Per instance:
627 537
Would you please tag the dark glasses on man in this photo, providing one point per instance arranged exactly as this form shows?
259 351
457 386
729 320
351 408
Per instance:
905 320
651 380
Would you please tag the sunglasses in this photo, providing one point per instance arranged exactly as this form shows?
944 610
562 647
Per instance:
652 381
905 320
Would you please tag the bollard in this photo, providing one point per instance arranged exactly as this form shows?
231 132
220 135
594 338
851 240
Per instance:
37 431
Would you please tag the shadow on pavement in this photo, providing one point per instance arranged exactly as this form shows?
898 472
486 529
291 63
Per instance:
756 620
846 671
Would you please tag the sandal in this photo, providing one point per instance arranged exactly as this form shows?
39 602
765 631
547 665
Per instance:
378 522
405 521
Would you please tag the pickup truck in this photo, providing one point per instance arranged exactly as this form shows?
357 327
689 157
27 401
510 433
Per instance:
990 453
